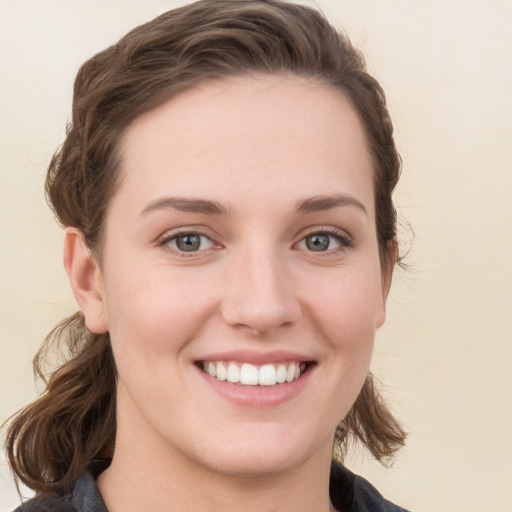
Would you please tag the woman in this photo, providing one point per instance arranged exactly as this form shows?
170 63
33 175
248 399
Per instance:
226 187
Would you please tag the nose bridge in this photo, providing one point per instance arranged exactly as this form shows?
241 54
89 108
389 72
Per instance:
260 293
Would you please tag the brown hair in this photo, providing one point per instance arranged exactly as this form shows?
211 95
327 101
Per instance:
50 442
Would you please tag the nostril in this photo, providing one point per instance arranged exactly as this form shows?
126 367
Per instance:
260 320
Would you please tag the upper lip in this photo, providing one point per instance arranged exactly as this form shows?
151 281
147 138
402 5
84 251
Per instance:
256 358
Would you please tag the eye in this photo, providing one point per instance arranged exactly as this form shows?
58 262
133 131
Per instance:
188 242
324 241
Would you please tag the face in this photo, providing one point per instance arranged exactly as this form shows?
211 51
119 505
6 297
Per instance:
240 278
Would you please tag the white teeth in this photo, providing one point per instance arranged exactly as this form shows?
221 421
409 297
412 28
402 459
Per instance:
249 375
290 373
233 373
267 375
281 374
252 375
221 372
212 369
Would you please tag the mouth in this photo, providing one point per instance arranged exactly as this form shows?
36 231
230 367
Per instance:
247 374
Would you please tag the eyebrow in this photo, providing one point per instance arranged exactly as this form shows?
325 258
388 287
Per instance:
208 207
321 203
203 206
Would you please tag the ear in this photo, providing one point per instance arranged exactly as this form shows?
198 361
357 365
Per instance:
388 265
86 280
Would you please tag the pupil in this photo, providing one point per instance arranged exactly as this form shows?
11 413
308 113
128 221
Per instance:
317 242
188 243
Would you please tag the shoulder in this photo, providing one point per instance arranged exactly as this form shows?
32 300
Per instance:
369 499
85 497
355 494
47 505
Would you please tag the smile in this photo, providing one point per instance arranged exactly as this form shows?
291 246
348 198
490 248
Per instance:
253 375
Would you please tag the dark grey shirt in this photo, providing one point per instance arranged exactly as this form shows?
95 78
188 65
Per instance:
349 493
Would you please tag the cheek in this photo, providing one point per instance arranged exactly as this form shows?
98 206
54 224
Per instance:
151 322
348 308
344 315
154 313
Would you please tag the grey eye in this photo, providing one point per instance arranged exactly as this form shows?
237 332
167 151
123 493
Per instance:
318 242
190 242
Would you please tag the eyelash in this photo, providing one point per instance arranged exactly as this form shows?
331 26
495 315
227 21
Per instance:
167 239
344 241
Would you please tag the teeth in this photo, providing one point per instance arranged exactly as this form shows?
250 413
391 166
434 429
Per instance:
222 373
233 373
267 375
281 374
251 375
290 373
212 369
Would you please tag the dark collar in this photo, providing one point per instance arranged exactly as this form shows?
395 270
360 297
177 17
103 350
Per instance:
352 493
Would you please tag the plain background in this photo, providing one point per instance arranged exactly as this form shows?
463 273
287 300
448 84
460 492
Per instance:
445 353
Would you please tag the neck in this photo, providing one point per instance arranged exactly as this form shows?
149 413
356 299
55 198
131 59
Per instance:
142 479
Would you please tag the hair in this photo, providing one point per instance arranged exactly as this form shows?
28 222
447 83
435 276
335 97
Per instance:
52 440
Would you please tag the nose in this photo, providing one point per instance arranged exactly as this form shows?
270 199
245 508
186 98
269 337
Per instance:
259 294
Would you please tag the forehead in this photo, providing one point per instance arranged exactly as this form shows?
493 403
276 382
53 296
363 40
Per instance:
238 138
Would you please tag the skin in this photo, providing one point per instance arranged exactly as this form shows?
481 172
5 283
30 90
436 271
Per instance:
256 146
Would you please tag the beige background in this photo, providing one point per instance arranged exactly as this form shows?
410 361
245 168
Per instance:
445 354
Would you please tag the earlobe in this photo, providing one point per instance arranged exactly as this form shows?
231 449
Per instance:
86 280
388 266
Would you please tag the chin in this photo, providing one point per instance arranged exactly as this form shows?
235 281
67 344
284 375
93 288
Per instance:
261 452
254 463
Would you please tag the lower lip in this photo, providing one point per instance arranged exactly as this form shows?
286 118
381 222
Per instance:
257 396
